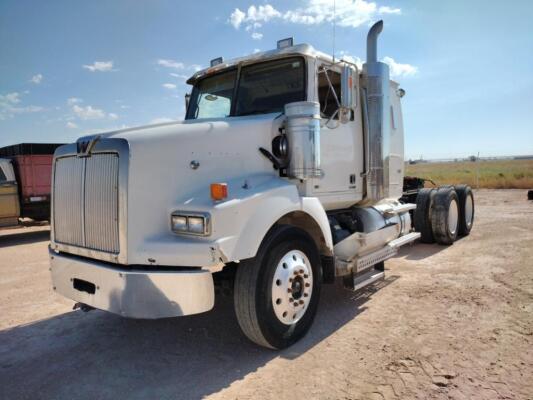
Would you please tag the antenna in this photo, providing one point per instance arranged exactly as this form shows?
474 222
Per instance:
334 22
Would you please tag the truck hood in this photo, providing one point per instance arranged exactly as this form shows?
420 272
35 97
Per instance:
161 179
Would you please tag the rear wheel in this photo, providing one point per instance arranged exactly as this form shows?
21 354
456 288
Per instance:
465 198
276 292
445 216
422 215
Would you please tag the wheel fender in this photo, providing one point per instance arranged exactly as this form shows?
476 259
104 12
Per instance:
242 223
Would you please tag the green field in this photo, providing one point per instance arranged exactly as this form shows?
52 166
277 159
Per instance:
497 174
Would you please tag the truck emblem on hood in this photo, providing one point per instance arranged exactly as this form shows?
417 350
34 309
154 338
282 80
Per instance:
85 145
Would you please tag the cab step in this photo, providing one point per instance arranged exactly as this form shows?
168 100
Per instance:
364 279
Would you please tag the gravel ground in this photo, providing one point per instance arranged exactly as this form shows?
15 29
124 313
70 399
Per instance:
448 322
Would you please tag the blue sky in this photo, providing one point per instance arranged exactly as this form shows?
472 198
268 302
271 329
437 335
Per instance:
69 68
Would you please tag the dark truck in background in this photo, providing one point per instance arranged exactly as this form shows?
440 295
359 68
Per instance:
25 181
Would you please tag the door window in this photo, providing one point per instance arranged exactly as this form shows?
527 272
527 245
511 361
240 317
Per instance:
327 93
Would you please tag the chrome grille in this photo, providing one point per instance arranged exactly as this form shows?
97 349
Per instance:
68 200
86 202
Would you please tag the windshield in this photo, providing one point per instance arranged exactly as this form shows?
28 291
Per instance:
211 97
263 88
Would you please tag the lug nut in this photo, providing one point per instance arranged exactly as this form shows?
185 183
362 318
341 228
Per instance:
301 301
289 290
306 295
295 272
290 279
306 276
301 271
307 284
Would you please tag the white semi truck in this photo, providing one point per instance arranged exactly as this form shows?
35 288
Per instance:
286 173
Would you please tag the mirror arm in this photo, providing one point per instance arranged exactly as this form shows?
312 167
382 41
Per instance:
332 88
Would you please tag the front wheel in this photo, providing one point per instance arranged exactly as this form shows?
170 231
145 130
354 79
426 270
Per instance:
276 293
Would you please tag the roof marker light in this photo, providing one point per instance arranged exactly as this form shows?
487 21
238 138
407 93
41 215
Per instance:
285 43
216 61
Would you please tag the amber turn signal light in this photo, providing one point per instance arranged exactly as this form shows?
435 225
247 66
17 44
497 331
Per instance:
219 191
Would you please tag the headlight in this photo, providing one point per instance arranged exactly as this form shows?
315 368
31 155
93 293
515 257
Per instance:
197 223
179 223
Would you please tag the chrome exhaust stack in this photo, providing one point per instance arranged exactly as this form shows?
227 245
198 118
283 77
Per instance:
377 131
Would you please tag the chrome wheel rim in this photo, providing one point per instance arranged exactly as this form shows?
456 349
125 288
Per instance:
453 216
292 287
469 211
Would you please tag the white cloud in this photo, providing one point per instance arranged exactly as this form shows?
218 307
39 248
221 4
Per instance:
100 66
161 120
36 79
180 76
400 70
170 64
169 86
253 18
178 66
9 106
397 70
348 13
88 112
9 99
257 36
389 10
353 59
257 51
236 18
71 125
74 100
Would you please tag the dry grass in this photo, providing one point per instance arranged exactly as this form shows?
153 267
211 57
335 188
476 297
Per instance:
499 174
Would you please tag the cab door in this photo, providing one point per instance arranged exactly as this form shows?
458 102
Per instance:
9 199
340 144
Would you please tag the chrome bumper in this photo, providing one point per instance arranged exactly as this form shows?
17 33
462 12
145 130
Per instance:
132 293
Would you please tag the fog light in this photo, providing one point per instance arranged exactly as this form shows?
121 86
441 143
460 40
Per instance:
179 223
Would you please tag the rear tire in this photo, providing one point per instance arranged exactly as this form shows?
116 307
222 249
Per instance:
268 312
445 216
466 209
422 215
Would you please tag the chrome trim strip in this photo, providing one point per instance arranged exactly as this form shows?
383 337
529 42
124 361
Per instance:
113 145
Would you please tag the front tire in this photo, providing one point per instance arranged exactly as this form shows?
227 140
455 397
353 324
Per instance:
276 293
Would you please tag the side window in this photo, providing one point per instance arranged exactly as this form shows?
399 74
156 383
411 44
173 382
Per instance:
328 104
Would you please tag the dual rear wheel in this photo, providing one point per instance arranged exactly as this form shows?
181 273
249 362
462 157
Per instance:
445 213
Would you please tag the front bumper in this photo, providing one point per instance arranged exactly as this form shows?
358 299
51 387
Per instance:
132 293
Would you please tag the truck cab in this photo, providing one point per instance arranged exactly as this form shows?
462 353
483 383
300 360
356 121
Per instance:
285 174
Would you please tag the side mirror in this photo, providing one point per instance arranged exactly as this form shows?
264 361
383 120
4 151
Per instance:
187 99
347 98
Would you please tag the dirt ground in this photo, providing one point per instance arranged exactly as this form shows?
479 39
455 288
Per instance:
447 323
